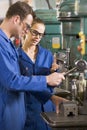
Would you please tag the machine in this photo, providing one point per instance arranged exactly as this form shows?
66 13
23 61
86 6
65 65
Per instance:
72 15
72 58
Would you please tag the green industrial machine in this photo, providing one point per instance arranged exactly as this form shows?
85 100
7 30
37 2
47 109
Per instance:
63 25
66 31
73 17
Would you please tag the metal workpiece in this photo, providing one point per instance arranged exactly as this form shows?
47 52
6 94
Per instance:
69 108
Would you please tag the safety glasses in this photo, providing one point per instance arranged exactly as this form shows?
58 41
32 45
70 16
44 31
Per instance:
36 33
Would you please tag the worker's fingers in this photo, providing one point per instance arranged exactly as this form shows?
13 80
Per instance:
57 109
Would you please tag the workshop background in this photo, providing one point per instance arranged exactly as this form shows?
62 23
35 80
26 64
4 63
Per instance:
66 37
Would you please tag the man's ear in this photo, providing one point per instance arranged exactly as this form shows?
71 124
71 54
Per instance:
16 19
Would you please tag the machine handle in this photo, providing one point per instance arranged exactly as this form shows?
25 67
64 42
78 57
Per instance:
70 71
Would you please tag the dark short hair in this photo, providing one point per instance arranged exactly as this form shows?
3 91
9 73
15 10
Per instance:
20 8
37 20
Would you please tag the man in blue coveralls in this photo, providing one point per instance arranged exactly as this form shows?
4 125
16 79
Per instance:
12 83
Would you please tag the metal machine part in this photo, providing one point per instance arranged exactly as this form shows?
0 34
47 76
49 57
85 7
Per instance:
81 65
63 60
74 90
79 84
69 108
62 92
71 8
81 87
69 71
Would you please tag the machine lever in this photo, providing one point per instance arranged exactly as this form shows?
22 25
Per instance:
70 70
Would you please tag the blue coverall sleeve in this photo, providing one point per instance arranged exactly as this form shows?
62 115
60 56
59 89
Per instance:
11 79
42 97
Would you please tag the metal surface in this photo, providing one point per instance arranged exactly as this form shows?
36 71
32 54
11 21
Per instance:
62 92
58 121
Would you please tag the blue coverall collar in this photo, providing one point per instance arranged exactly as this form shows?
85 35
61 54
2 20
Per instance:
8 40
4 35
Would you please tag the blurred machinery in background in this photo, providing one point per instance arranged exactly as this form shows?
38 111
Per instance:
66 33
72 15
68 38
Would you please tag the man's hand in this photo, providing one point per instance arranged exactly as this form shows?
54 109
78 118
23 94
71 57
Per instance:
57 100
55 78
